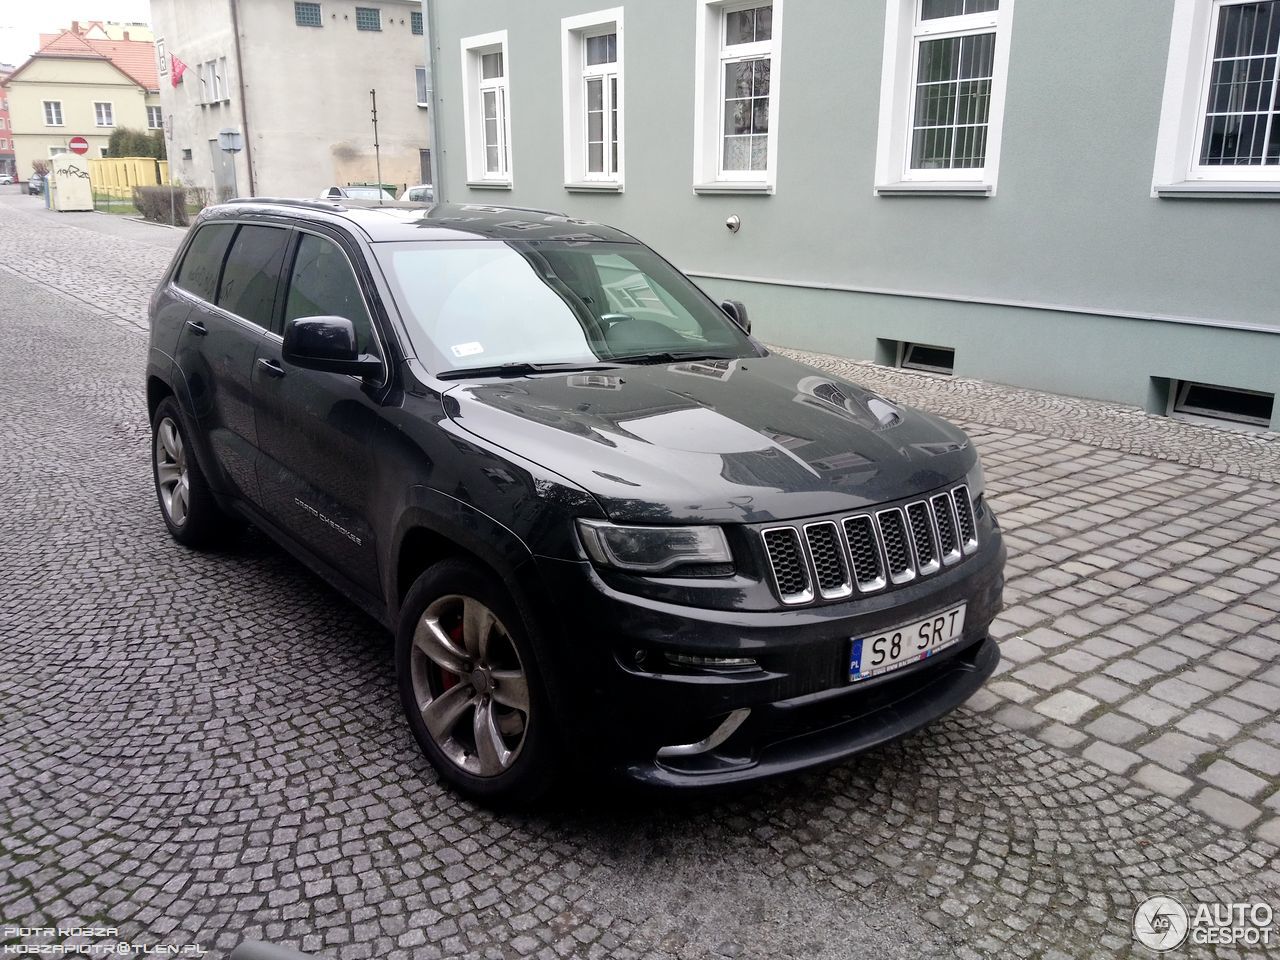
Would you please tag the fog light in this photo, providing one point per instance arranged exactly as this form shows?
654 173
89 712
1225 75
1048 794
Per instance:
689 660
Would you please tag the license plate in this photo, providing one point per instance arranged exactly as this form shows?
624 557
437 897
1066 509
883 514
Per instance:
873 656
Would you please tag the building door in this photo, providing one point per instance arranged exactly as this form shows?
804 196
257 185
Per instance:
424 157
223 164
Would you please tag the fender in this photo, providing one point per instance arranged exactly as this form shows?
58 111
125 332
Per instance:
462 524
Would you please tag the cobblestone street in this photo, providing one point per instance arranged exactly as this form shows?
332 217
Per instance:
208 747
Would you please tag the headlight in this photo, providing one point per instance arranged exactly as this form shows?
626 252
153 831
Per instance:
975 481
652 549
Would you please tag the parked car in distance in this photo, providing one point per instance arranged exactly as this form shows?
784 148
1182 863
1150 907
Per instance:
359 192
607 526
422 193
35 184
7 178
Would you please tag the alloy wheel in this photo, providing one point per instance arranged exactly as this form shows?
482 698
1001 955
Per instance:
172 477
470 685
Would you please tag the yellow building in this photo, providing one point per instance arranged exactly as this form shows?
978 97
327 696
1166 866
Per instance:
76 86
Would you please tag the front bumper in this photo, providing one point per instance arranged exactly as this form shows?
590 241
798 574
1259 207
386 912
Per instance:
612 647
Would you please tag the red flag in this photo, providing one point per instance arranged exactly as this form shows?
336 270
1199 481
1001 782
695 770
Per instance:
176 69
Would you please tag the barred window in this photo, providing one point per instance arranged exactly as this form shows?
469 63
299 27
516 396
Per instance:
368 18
415 23
953 88
307 15
1242 103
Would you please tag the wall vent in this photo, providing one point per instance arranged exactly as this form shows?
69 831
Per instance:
931 359
1192 400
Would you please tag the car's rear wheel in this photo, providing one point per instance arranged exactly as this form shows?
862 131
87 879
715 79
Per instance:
186 503
470 685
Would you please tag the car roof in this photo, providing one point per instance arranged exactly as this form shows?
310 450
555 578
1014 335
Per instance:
399 220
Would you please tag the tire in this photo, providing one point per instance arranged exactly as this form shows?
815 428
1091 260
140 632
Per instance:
189 510
495 686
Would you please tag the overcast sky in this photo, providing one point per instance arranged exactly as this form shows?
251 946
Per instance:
22 21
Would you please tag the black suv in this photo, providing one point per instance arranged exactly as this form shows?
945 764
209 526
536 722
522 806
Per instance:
606 525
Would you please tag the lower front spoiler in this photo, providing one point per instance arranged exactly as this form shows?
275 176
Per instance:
793 735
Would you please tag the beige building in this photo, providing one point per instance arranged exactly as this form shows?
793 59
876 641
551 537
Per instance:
75 86
288 83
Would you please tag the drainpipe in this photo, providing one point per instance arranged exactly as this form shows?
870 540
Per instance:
437 128
244 103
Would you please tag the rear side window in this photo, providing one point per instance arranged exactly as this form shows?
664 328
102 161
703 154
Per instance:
199 271
249 279
322 285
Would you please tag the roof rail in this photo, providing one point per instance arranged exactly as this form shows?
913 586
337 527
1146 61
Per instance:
329 205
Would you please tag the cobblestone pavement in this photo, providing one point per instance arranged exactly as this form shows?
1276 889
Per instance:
207 747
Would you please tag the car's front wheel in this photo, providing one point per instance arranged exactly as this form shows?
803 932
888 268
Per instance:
470 686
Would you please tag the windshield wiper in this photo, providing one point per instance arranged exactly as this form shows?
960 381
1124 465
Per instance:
521 369
668 357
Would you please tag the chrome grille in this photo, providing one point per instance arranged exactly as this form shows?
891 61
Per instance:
891 546
829 563
790 569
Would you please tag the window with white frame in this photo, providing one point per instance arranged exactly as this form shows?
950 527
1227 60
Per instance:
1220 122
736 94
53 113
155 118
420 79
591 68
945 67
3 123
104 115
486 109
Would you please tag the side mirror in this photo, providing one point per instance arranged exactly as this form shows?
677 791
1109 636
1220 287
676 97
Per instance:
737 312
328 344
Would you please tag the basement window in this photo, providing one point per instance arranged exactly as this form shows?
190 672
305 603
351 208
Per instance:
931 359
1206 400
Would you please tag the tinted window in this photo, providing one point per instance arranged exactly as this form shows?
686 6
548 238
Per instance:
199 271
322 285
249 279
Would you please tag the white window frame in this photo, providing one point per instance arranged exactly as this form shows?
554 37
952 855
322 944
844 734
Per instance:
904 31
710 57
574 73
474 88
418 87
98 113
1186 91
44 107
159 115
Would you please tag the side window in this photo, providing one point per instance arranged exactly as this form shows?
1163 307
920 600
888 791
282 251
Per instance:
248 287
322 285
203 262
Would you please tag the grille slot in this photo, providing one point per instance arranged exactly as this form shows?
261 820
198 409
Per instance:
964 518
897 551
922 538
868 571
943 514
829 563
790 570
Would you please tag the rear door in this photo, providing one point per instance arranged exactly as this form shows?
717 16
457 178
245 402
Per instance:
314 428
215 356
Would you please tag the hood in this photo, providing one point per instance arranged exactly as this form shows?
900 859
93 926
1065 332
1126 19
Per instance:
749 440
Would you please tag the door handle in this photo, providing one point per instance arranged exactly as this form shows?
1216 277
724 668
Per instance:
272 368
197 327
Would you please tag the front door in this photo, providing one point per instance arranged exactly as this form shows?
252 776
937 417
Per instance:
316 471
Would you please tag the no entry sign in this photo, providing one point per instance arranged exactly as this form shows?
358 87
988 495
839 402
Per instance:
78 146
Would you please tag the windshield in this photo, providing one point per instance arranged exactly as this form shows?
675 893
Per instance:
484 303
